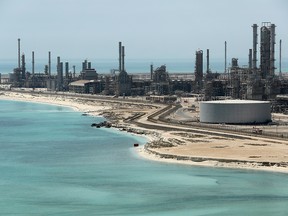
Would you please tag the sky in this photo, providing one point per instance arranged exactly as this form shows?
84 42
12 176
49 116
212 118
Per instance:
149 29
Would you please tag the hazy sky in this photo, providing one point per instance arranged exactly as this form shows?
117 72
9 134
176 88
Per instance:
150 29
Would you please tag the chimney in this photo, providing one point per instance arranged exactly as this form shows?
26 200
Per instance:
33 64
83 66
58 60
120 55
49 63
19 53
66 70
255 35
250 59
151 71
225 57
74 71
272 50
208 70
123 58
280 58
23 66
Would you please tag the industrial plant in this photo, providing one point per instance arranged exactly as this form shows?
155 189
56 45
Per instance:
256 81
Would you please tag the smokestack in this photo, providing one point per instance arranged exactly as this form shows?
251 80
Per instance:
123 58
49 63
151 71
74 71
84 65
208 70
120 55
255 35
250 59
19 53
59 74
280 59
66 70
225 57
33 63
58 60
272 50
23 66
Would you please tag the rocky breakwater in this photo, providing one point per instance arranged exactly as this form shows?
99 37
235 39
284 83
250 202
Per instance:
102 124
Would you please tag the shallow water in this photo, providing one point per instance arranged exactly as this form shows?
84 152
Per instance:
53 163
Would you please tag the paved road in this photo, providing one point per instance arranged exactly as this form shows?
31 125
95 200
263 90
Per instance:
183 114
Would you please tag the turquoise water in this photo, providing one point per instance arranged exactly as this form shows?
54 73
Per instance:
53 163
132 65
105 65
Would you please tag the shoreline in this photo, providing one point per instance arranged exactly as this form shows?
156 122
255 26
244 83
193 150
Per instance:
37 98
179 149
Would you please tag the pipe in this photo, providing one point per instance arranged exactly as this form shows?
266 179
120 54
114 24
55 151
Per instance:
120 55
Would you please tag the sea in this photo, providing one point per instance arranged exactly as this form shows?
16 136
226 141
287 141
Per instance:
52 162
134 66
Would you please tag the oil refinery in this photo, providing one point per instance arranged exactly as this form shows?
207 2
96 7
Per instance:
252 82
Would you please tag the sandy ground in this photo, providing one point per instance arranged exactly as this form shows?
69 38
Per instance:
219 151
115 109
195 148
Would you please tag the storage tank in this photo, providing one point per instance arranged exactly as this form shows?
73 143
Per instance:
235 111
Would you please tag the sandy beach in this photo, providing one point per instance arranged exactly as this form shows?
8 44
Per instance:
75 103
219 151
175 144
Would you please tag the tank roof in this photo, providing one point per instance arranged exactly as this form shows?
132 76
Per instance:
236 102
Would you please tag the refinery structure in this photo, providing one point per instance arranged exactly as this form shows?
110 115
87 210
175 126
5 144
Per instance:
256 81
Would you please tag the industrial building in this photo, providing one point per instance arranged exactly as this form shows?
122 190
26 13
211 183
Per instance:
87 73
86 87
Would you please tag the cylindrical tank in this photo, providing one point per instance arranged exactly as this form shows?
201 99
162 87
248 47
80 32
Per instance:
235 111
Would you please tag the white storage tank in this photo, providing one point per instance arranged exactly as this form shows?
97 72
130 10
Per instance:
235 111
